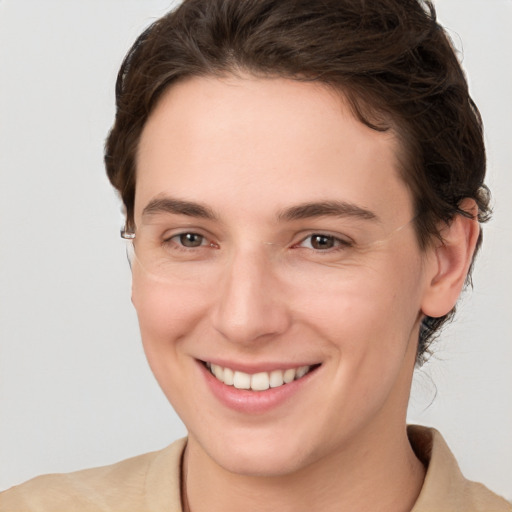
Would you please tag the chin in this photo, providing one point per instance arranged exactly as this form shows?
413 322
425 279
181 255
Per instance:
257 454
260 464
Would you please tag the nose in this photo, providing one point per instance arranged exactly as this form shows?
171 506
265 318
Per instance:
250 304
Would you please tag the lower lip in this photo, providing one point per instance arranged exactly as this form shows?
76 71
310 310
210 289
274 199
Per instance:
253 402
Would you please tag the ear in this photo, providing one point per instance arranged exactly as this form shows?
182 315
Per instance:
450 260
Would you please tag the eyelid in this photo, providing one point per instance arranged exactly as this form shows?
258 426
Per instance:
168 232
174 238
173 235
178 236
340 241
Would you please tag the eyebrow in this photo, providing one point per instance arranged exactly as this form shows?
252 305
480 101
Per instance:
301 211
324 209
178 207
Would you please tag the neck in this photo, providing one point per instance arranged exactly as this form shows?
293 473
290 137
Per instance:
387 477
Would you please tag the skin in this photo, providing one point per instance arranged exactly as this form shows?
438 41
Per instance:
257 294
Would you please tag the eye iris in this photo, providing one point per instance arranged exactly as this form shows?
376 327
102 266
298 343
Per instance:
322 242
191 240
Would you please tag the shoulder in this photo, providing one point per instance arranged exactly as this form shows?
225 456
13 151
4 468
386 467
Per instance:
445 488
146 482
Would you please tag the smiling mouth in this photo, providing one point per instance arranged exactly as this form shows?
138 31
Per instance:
260 381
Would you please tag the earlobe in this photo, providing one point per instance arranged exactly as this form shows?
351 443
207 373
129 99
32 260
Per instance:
451 260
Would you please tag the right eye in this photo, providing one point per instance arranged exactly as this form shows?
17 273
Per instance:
189 240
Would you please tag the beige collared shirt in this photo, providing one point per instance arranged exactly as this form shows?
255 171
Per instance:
151 482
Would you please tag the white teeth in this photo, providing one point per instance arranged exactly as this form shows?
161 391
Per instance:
301 371
276 379
258 381
229 375
218 371
289 375
241 380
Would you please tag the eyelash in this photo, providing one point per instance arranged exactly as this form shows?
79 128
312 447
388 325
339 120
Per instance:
177 242
339 243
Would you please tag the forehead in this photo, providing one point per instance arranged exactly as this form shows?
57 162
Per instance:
265 143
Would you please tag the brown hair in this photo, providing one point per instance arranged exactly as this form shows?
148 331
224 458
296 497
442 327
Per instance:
390 59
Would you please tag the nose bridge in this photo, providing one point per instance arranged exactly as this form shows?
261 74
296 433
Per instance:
250 303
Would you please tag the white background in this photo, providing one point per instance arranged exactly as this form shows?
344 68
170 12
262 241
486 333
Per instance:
75 390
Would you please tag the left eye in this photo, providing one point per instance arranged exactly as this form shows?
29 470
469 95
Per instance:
190 240
321 242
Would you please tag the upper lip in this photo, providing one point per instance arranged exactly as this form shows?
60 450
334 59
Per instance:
252 368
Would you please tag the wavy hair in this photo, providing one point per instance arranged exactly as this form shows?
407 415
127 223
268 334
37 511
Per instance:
391 59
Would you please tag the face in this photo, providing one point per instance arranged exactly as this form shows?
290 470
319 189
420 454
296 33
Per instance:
275 250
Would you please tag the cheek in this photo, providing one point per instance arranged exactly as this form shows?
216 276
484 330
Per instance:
167 312
371 318
167 315
364 306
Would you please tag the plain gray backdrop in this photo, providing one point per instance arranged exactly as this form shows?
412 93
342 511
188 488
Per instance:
75 390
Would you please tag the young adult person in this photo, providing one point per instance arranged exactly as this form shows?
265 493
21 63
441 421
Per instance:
303 184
